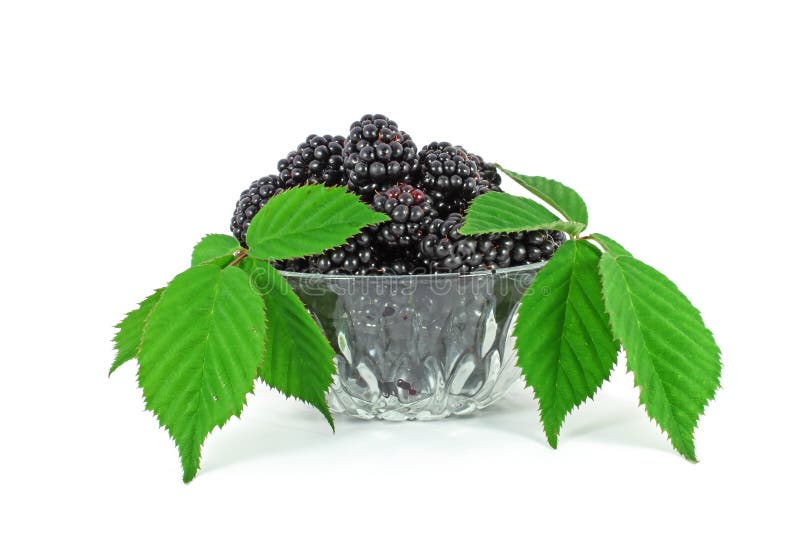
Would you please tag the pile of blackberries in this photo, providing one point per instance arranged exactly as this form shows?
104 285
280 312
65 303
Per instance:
425 193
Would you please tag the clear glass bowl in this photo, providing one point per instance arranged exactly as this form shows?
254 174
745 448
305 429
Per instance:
418 347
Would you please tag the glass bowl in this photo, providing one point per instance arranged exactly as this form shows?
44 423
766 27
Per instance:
417 347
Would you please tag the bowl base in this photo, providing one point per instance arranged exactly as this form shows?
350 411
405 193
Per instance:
391 409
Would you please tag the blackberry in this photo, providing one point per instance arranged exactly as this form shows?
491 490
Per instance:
251 200
377 153
452 176
357 256
409 209
487 174
399 260
317 160
444 249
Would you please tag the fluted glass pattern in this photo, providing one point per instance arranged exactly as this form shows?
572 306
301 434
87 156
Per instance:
417 347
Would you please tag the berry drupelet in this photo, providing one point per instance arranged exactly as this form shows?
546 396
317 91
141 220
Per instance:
317 160
377 153
408 208
251 200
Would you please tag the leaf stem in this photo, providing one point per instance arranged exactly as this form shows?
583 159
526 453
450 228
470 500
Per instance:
239 258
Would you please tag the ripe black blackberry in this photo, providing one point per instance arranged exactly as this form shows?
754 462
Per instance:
487 174
394 260
444 249
357 256
361 256
317 160
250 201
377 153
409 209
452 176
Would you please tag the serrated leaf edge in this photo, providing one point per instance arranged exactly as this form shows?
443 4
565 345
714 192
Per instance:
377 219
549 200
117 363
570 227
552 440
326 413
609 246
189 475
214 259
690 453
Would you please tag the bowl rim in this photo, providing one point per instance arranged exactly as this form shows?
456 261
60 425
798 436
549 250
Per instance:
530 267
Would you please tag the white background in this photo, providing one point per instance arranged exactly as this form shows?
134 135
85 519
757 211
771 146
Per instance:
127 132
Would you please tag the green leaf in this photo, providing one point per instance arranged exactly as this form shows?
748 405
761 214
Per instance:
673 356
307 220
131 328
609 245
563 199
200 354
564 341
214 246
298 360
500 212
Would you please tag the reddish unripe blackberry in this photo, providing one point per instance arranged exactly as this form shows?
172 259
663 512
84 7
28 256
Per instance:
251 200
317 160
453 176
408 208
377 153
